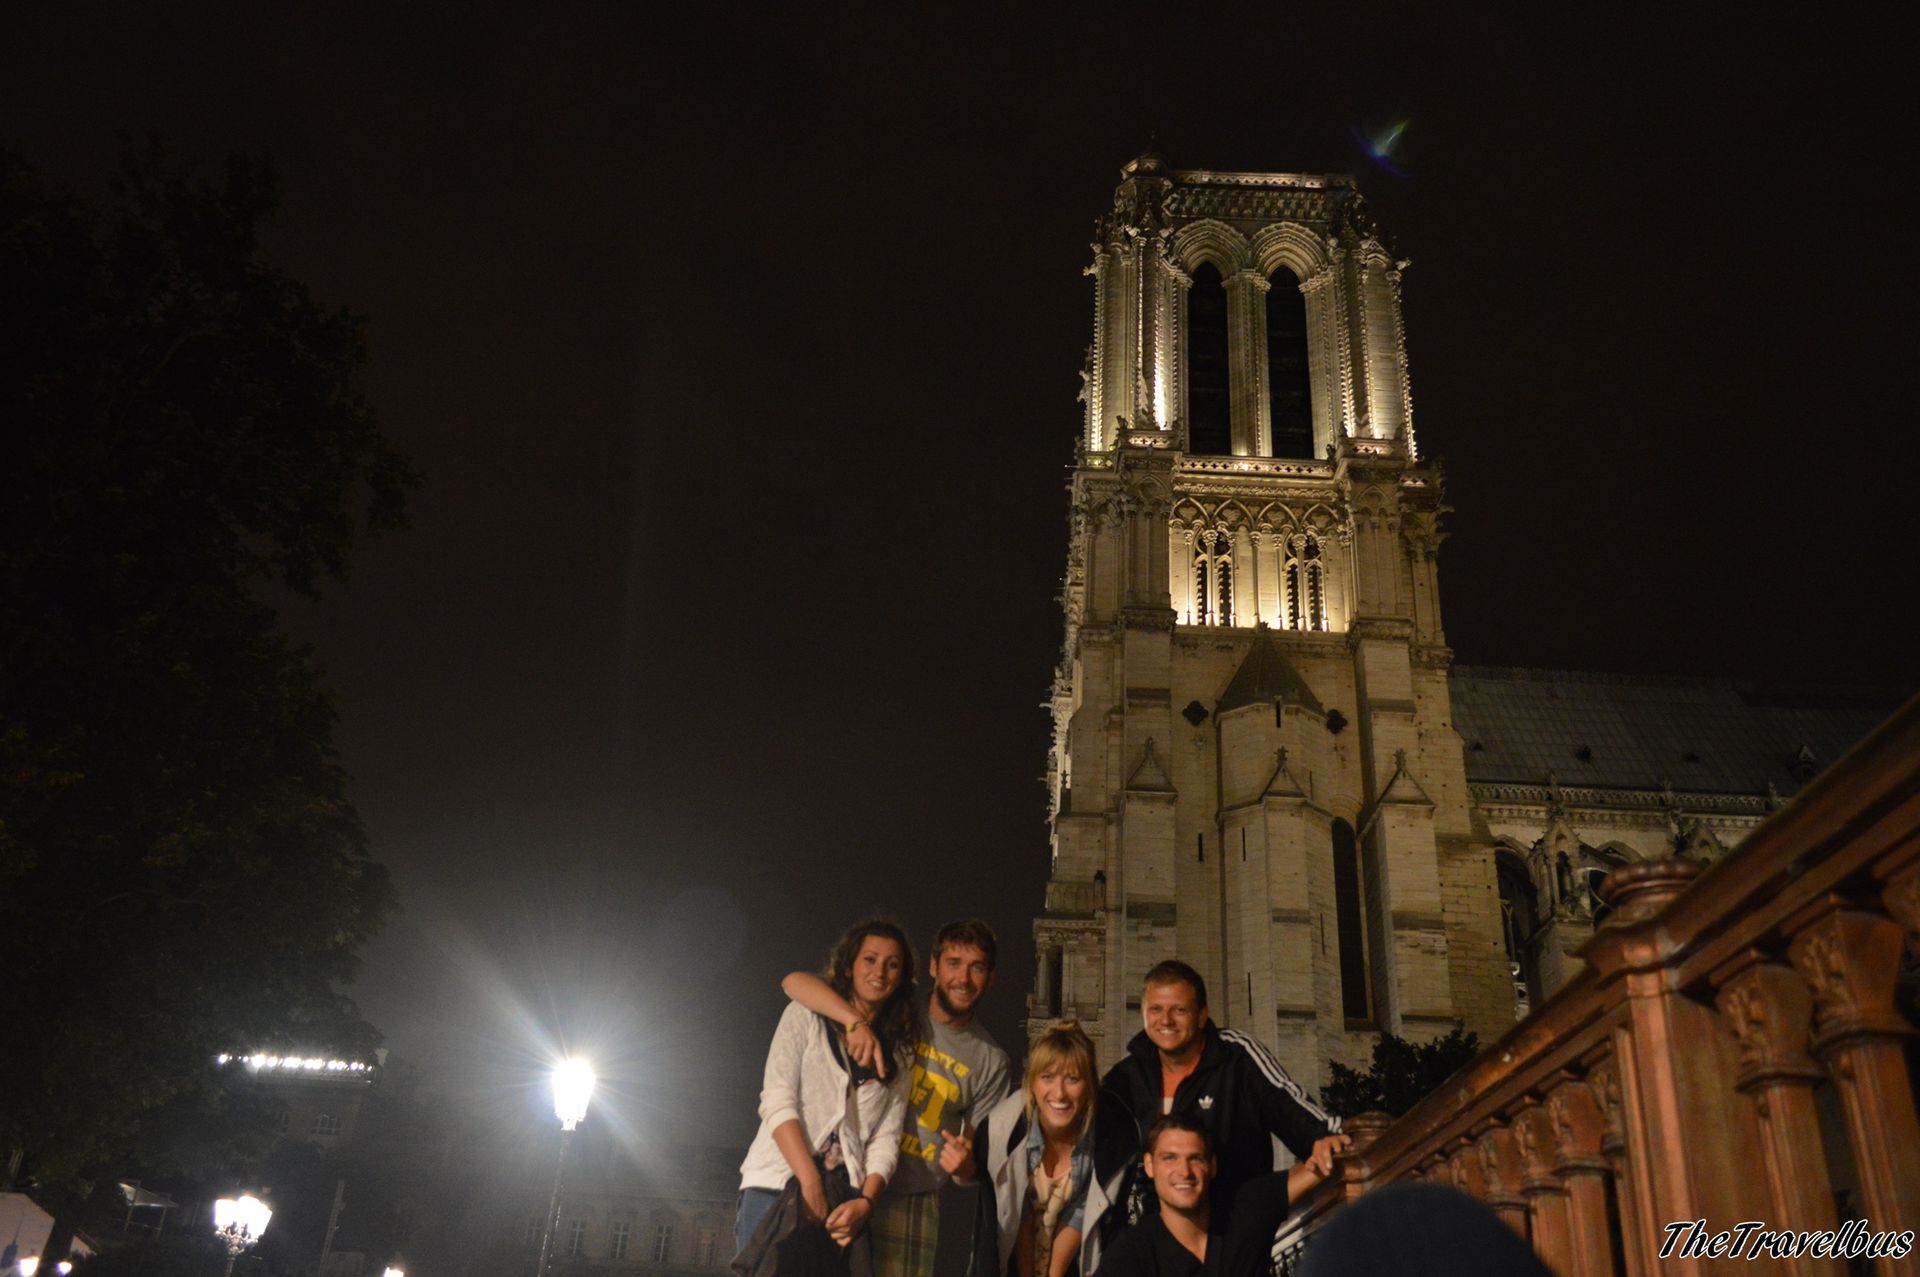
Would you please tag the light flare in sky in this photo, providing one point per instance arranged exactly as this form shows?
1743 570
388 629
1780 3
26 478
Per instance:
1382 145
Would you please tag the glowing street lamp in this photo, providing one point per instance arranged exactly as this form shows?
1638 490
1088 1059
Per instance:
572 1088
393 1272
239 1221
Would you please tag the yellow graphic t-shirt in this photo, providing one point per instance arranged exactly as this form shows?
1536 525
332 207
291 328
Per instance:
958 1074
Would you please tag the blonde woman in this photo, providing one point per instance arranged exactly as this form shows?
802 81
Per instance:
1052 1160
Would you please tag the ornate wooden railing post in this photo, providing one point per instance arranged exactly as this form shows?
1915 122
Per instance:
1350 1167
1546 1196
1500 1163
1352 1176
1677 1063
1850 958
1580 1131
1770 1010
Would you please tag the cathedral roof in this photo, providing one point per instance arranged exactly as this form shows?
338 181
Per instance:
1265 675
1522 726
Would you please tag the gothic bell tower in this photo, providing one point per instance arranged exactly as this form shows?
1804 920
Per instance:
1253 764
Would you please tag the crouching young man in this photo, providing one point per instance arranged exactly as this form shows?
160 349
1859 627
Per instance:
1185 1237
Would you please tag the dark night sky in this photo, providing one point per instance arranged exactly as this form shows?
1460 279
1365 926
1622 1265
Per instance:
740 359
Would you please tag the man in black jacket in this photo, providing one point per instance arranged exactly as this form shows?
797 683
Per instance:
1229 1084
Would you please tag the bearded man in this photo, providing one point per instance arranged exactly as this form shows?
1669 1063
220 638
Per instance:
959 1072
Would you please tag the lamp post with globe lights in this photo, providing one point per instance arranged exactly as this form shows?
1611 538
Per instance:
239 1221
572 1088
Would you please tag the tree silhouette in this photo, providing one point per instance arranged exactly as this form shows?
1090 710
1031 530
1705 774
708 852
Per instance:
1401 1075
181 872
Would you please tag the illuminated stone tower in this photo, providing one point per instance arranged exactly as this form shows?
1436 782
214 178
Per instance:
1254 766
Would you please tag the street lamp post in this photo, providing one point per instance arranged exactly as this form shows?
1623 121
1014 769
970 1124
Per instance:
572 1088
239 1221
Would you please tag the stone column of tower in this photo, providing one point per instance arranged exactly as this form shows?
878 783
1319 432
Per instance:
1276 795
1407 935
1246 299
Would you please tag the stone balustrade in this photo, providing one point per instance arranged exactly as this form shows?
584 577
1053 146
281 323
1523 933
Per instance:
1066 897
1735 1050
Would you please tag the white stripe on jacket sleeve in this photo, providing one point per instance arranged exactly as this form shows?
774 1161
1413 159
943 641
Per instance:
1276 1074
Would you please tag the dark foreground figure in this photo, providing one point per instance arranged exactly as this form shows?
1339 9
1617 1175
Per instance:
1419 1229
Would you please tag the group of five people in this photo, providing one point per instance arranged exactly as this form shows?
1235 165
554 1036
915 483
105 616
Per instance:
872 1099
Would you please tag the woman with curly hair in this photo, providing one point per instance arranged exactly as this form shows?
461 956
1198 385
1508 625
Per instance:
829 1126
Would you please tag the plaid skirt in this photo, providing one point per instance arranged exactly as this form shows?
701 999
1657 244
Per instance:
906 1233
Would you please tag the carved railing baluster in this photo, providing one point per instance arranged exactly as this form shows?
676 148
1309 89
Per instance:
1850 958
1464 1167
1604 1080
1580 1131
1534 1139
1500 1165
1769 1009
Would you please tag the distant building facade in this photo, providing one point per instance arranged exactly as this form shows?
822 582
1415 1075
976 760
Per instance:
675 1220
1263 759
321 1097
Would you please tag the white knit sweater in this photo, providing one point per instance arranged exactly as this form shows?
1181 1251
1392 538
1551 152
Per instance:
804 1081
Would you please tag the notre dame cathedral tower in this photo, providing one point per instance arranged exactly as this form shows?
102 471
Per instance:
1264 760
1254 765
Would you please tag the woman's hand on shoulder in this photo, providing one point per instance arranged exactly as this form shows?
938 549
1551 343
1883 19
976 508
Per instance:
848 1218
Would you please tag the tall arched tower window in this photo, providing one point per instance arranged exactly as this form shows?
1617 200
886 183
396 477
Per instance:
1213 583
1289 386
1209 398
1348 913
1518 920
1305 583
